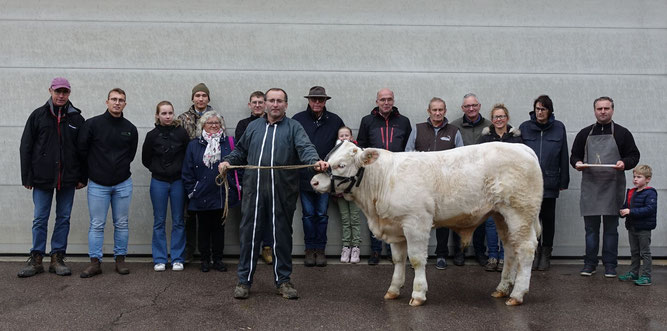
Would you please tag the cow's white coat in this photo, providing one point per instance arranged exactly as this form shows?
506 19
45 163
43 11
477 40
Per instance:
404 195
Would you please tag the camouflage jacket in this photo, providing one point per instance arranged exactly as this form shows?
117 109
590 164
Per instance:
189 120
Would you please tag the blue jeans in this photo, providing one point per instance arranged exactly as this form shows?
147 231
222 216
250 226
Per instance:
42 200
609 240
315 220
99 198
495 246
161 192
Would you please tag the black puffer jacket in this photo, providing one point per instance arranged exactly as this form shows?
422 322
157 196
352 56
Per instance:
513 135
164 150
49 156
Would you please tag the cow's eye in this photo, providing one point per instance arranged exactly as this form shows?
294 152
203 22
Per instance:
340 166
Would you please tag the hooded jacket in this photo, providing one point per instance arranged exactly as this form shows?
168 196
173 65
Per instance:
391 133
549 142
513 135
48 150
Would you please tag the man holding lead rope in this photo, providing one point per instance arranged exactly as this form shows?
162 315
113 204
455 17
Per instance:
270 195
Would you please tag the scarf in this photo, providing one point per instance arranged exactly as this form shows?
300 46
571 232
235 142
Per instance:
212 152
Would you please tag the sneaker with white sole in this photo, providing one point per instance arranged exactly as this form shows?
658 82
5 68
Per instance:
177 266
354 255
345 254
159 267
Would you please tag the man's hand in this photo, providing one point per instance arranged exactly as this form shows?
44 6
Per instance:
624 212
321 166
28 187
619 165
222 167
80 185
579 166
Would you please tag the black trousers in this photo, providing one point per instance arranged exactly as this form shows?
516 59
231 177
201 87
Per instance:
211 234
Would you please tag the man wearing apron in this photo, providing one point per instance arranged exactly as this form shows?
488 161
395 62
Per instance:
602 188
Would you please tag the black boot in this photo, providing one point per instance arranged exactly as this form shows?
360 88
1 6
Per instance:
536 259
545 259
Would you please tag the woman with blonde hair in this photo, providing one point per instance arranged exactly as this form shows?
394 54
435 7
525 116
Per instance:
162 153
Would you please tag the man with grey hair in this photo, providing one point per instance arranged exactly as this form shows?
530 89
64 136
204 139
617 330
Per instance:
471 125
436 134
50 162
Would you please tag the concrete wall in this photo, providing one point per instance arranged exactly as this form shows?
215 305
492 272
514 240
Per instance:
507 52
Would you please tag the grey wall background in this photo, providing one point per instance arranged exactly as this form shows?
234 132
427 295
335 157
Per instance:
504 51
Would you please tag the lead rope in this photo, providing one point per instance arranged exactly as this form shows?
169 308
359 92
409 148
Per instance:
221 180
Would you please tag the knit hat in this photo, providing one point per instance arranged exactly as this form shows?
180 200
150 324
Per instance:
201 87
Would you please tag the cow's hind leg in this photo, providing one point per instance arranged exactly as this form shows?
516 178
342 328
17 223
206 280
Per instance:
509 271
524 240
417 236
399 252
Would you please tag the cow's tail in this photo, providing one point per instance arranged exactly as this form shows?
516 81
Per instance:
537 227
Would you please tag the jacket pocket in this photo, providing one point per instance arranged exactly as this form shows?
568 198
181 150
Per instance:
551 180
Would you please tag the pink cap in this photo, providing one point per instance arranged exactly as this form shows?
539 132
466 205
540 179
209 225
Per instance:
60 82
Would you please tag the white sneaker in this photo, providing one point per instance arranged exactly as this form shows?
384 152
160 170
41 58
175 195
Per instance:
345 255
159 267
354 256
177 266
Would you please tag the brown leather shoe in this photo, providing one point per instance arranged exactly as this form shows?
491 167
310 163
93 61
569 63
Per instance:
267 255
121 266
33 266
58 266
93 269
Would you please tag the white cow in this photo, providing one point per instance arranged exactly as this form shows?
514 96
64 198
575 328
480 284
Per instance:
404 195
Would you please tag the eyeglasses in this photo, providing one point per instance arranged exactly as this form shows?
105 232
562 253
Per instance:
540 109
318 100
499 117
117 100
474 105
257 103
213 123
386 100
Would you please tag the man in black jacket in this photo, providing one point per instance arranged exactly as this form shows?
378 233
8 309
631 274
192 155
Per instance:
602 152
383 128
49 160
321 127
108 143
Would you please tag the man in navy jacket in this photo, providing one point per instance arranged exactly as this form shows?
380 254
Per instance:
322 128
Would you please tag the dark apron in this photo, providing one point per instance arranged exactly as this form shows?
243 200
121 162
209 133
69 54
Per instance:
601 188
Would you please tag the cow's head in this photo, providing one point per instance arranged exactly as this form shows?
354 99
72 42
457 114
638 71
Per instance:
347 162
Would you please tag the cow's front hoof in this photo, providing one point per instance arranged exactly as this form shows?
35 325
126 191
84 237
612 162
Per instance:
416 302
390 296
499 294
513 302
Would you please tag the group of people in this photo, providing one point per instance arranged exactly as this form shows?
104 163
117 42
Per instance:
62 152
